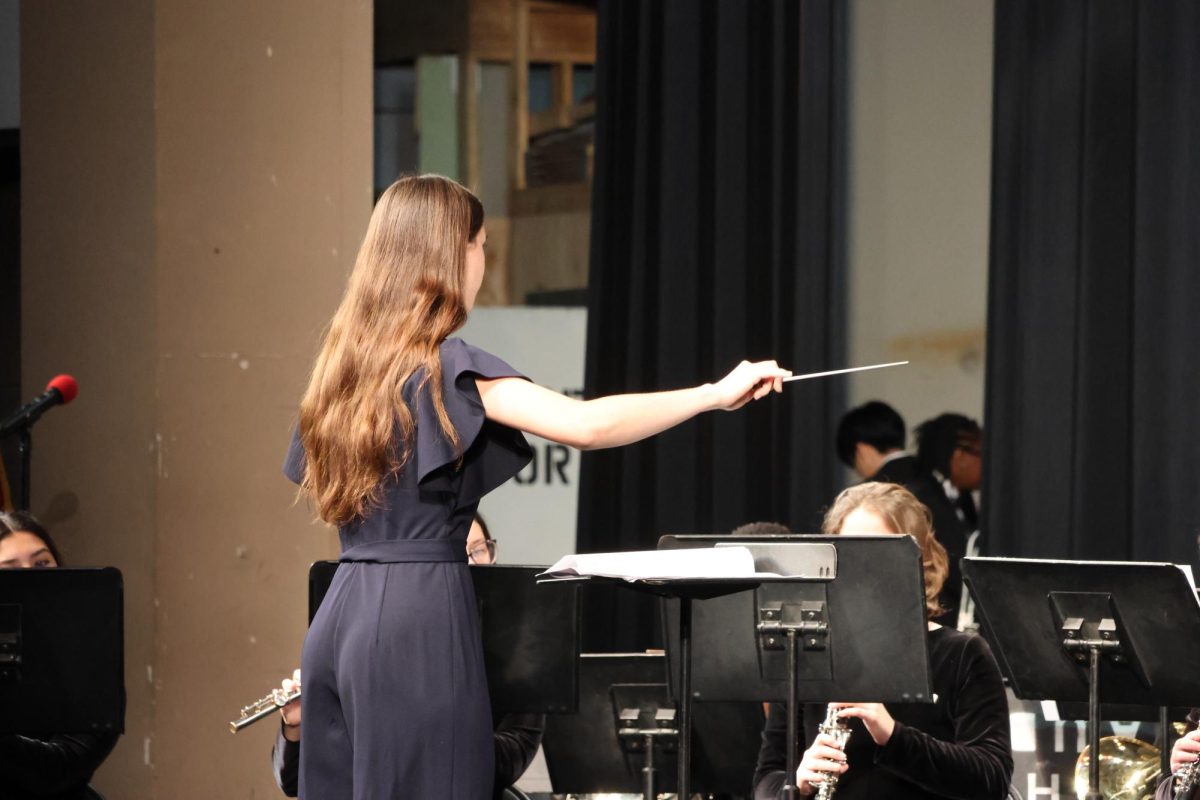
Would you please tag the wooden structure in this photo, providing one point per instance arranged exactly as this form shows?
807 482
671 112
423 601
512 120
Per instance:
546 227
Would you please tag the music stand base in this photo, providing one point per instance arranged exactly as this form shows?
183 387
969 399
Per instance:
649 771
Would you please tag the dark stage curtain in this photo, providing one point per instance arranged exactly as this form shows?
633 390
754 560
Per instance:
716 236
1093 386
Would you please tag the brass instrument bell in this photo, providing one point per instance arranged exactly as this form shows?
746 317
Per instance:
1129 769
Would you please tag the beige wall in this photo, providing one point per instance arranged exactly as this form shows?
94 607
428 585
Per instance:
88 289
196 178
919 160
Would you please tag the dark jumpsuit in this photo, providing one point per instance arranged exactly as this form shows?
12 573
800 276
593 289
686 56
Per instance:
395 701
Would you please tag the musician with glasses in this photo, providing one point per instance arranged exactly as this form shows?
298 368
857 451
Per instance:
481 547
517 737
56 767
956 747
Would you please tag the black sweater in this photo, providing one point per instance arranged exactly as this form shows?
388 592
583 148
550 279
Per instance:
51 767
957 747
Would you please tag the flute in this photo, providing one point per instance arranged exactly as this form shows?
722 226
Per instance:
263 708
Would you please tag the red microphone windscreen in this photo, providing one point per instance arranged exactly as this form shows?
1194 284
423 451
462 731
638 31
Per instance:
66 386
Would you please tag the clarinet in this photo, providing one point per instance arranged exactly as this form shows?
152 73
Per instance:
1187 778
837 728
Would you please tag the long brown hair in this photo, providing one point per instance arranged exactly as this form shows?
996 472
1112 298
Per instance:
903 513
405 295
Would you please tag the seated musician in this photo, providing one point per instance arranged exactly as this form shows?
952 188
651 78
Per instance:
1184 755
517 736
59 766
955 747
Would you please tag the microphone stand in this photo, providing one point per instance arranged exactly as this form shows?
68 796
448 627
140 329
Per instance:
22 421
25 448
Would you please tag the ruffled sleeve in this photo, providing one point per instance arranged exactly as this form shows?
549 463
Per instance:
293 463
490 453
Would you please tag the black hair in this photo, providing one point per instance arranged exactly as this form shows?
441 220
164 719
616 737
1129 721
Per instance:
874 423
938 438
487 535
13 521
761 529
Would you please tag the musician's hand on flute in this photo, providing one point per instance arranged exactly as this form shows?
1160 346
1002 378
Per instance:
874 716
291 711
1185 751
748 381
820 759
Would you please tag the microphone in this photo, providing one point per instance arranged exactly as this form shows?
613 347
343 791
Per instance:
61 390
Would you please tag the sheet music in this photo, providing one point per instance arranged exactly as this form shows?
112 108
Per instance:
1187 570
700 562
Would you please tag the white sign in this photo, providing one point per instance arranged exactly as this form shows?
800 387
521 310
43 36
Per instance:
532 516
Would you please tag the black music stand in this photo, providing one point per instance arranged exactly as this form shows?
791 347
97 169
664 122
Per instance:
686 590
585 751
62 651
1055 623
850 626
734 661
530 636
624 738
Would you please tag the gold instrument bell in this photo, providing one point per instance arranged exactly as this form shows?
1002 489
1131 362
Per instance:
1129 769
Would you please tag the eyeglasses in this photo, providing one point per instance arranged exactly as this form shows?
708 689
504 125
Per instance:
483 553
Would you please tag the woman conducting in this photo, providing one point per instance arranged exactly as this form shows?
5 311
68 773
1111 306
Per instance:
402 430
955 747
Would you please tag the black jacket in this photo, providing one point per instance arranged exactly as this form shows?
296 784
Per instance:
51 767
948 526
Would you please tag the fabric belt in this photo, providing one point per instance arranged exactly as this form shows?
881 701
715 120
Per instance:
397 551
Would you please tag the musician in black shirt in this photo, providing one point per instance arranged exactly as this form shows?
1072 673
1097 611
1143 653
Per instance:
955 747
58 766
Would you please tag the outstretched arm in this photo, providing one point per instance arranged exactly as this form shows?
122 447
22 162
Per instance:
620 419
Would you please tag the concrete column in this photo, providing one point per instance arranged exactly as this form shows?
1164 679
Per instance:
196 179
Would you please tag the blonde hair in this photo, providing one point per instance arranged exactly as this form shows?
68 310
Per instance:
404 297
903 513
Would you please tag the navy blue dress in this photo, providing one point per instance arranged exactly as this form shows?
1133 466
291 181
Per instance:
395 701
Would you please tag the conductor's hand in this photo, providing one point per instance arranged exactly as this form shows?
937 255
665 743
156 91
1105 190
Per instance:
748 381
820 759
291 711
1185 751
874 716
